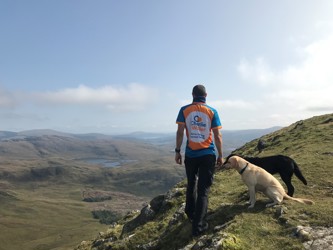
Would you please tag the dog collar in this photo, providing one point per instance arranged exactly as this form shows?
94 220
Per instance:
243 169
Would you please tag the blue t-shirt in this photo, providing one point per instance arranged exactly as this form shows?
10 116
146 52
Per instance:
199 120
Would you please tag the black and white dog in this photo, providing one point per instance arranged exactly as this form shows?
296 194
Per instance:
281 164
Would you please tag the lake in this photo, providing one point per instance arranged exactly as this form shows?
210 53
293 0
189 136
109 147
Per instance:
109 163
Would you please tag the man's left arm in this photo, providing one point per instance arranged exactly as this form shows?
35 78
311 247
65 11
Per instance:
218 143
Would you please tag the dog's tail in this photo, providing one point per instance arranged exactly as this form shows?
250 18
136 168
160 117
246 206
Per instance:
299 174
301 200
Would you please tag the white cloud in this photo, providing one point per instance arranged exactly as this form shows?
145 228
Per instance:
259 72
6 99
227 104
233 104
24 116
132 97
324 25
315 71
307 86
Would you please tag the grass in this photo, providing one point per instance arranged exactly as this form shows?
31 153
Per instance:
41 202
45 223
38 212
308 142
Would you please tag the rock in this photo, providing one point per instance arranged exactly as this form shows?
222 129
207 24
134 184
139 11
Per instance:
157 202
145 215
316 238
178 216
279 211
261 145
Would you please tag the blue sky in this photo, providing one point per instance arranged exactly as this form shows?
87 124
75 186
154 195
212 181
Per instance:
114 67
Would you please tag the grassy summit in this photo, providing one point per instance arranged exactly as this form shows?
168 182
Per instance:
163 225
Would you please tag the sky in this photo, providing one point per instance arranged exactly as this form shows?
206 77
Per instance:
114 67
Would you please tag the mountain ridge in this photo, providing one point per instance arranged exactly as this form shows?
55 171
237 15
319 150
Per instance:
162 223
137 134
43 143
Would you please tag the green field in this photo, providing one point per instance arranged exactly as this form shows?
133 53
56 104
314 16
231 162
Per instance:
47 217
41 195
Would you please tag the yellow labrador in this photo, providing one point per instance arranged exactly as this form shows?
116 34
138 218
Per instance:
258 179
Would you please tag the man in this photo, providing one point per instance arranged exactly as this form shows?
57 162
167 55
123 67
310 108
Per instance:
200 122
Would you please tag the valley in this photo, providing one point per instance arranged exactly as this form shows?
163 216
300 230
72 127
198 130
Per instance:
57 188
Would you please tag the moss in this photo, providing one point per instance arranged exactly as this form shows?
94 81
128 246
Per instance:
231 242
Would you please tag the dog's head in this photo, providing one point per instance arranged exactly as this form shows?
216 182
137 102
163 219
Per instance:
230 162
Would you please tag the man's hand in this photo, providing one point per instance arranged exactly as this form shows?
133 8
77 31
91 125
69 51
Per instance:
219 162
178 158
179 140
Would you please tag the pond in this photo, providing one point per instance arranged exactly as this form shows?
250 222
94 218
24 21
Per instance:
109 163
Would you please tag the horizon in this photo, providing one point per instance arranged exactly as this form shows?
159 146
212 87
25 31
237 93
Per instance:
129 133
124 66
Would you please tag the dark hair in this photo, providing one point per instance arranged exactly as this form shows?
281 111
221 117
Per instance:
199 90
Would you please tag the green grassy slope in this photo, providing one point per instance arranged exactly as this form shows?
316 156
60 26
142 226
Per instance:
47 218
232 224
42 215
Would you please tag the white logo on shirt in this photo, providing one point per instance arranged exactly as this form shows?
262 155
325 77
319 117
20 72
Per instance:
198 125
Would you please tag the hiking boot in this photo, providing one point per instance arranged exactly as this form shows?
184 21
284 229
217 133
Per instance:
201 230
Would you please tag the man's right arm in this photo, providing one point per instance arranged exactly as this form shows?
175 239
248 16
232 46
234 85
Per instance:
218 144
179 141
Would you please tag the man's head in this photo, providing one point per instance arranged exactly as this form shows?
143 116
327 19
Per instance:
199 90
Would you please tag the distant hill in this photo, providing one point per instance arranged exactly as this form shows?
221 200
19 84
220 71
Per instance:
45 177
44 143
163 225
148 155
7 134
56 188
232 139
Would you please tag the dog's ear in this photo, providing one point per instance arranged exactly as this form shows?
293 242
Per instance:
228 157
228 163
234 160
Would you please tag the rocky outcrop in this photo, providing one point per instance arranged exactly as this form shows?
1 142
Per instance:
315 238
159 204
96 195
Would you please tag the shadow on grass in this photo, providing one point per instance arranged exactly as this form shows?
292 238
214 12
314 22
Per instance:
180 235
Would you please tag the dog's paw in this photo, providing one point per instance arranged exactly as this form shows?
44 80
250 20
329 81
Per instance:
250 207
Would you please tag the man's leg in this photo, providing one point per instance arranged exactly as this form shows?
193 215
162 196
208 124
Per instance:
191 191
205 180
